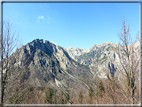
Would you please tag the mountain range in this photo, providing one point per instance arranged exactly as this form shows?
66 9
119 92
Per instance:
48 65
44 64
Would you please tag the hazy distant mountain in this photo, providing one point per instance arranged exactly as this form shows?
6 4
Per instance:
75 51
101 53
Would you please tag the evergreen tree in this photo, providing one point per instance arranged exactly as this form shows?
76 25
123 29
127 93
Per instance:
91 92
101 88
80 97
48 95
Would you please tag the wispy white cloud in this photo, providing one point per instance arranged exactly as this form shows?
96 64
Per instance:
40 17
47 19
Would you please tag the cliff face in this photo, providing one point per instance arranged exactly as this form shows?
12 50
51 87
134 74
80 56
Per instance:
101 54
73 52
86 57
50 65
42 63
97 53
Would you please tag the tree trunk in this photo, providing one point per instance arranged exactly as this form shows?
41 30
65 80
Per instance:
132 96
2 91
2 88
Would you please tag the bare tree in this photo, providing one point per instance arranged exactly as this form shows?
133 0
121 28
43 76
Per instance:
112 80
9 42
94 69
129 59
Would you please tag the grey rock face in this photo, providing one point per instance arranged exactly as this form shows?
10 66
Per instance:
50 65
102 54
99 52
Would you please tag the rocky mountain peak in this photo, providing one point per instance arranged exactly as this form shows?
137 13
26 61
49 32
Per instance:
75 51
48 63
96 46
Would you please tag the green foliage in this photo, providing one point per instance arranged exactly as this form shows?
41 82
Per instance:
91 92
11 100
48 95
80 97
101 87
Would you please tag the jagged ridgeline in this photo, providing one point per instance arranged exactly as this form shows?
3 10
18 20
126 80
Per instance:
102 54
48 65
97 53
42 69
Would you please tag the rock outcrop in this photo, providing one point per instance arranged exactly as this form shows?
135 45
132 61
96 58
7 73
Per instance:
50 65
101 53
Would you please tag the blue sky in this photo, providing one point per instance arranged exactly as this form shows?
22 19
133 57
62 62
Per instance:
72 24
